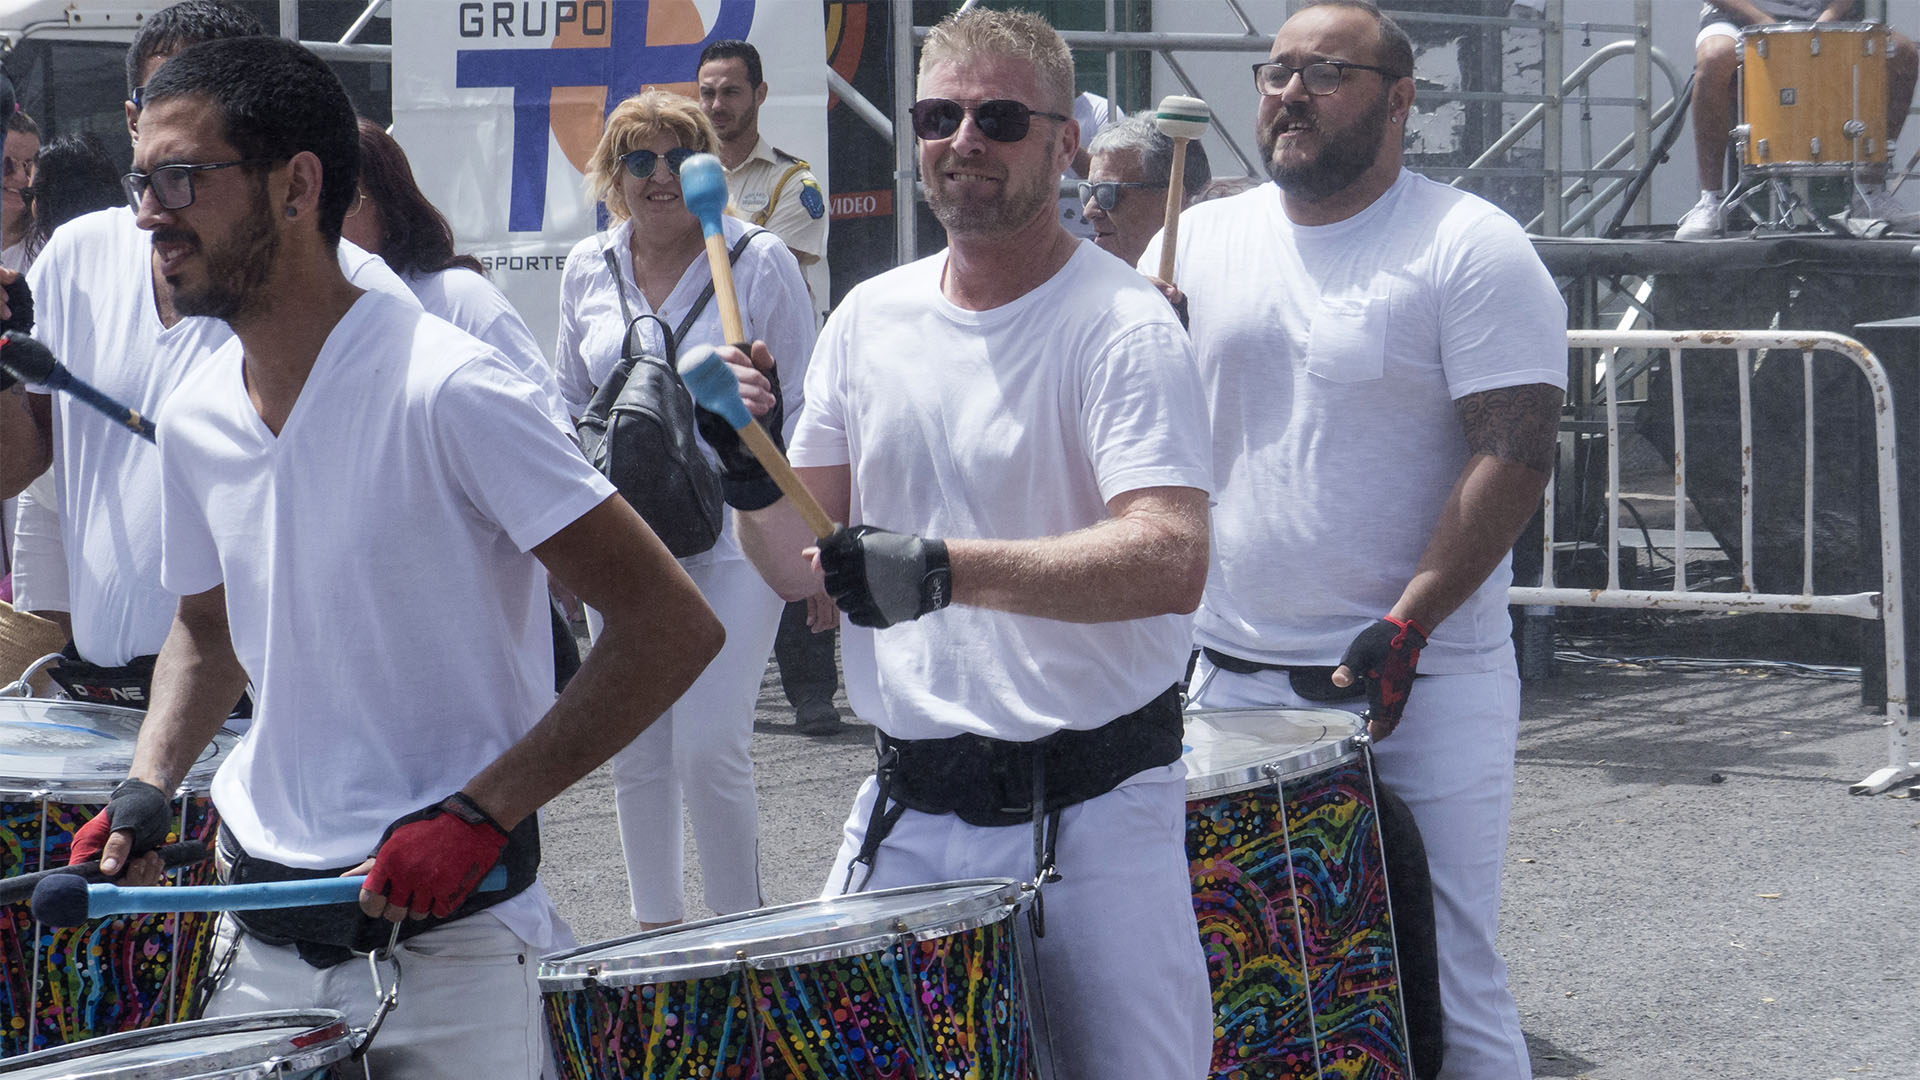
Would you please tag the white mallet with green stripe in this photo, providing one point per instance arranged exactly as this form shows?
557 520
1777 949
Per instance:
1181 119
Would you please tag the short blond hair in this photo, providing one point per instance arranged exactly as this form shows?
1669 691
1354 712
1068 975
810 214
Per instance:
639 119
1017 35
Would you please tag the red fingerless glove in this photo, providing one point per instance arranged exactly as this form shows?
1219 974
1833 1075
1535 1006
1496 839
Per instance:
89 839
433 863
1386 654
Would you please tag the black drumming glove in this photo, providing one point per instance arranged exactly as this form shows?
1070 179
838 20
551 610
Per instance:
20 304
136 806
744 482
1385 655
880 578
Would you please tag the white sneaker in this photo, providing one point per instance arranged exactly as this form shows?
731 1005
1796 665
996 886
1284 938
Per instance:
1874 202
1705 221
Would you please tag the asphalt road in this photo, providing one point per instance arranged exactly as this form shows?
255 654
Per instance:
1690 890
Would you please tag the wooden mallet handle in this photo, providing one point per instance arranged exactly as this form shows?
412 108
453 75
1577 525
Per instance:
1182 119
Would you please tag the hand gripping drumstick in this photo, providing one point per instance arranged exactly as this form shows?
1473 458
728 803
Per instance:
703 186
68 901
1182 119
713 385
15 889
30 362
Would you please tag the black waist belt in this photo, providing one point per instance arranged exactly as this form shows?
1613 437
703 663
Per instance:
329 934
1311 683
129 685
990 782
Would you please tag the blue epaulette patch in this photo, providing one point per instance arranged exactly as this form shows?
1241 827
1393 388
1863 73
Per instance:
811 198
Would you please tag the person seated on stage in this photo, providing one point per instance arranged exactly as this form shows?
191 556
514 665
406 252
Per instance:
360 504
1717 55
1126 187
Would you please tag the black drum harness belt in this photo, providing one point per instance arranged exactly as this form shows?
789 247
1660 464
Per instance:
1313 684
994 783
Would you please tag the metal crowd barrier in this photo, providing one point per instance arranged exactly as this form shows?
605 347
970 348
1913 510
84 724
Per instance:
1884 605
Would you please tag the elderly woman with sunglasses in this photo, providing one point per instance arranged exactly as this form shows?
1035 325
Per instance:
698 749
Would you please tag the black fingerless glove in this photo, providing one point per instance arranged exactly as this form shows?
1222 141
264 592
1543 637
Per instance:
1386 654
880 578
20 303
744 482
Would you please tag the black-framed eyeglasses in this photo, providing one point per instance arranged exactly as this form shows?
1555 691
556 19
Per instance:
640 163
998 119
1321 77
172 185
1106 193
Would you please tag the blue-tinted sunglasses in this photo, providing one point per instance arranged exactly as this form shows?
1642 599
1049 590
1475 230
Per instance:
640 163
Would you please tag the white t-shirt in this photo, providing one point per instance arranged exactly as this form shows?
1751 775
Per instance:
380 591
470 302
774 306
1015 423
1094 112
94 308
1332 356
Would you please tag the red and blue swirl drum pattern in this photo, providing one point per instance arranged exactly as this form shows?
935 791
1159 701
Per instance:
1290 889
904 984
58 763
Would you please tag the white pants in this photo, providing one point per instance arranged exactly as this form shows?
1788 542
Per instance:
1122 978
698 752
1451 760
469 999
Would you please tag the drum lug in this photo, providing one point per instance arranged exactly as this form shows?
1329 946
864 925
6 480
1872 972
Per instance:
1760 47
1814 145
1813 45
1761 148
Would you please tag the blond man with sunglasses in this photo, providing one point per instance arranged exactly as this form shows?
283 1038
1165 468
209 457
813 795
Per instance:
1013 429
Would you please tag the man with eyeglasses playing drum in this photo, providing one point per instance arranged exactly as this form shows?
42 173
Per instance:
107 314
1014 434
1716 59
1385 358
1126 185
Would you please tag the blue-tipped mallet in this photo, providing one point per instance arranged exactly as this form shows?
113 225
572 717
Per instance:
68 900
703 186
712 384
30 362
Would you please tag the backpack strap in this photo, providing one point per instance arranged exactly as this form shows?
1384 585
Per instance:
672 337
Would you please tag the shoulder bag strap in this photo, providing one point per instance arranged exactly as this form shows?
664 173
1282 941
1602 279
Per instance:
706 294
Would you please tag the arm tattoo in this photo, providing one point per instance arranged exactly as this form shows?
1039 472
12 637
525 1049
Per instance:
1518 423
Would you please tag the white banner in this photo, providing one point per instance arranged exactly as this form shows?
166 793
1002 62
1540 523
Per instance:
499 104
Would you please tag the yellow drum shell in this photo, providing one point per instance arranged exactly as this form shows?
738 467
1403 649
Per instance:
1798 96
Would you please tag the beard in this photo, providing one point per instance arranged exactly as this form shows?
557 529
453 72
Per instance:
1015 207
1344 154
235 268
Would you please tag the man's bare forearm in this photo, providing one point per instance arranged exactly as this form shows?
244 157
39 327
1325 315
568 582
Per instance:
26 439
196 681
1149 558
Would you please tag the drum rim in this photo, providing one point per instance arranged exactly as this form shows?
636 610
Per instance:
1311 759
310 1022
1814 28
989 901
199 781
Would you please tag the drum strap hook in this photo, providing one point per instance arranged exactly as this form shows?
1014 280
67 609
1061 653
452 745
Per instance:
1046 839
388 996
880 821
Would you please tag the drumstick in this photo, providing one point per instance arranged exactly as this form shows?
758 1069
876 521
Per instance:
30 362
713 385
703 186
65 900
15 889
1180 118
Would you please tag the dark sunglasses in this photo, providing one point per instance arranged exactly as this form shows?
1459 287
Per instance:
999 120
172 185
1106 194
640 163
